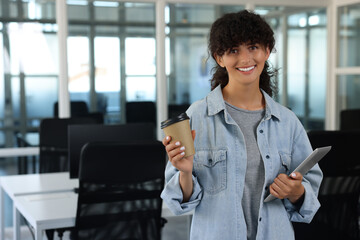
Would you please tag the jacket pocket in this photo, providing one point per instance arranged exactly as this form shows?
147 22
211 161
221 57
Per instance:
285 161
210 169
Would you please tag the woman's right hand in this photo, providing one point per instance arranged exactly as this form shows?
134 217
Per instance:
176 152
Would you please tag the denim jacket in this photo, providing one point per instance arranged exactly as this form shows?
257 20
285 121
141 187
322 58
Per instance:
219 172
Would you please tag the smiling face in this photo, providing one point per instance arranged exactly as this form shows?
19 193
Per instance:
244 63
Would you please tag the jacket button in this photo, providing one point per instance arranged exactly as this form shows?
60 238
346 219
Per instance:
259 219
261 131
267 156
210 161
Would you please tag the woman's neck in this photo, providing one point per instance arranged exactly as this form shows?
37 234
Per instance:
244 97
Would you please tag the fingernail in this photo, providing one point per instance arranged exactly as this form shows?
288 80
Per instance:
182 148
293 174
177 143
167 137
182 153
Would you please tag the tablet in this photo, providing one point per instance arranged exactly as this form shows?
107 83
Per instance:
307 164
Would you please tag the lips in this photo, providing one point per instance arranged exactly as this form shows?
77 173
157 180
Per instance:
246 69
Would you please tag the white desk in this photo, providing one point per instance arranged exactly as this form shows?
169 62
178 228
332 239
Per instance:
19 152
54 210
45 211
19 185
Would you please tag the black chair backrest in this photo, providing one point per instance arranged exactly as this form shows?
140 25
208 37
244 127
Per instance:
342 159
339 192
77 108
79 135
80 109
53 142
119 191
177 109
98 116
141 112
350 119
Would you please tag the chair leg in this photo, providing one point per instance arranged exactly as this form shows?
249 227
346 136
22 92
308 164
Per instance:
143 229
60 233
50 234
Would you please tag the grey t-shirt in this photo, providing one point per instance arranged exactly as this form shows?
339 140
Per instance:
248 122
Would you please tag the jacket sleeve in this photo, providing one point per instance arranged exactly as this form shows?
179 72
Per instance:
172 194
311 181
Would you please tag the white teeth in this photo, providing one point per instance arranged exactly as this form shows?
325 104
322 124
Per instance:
246 69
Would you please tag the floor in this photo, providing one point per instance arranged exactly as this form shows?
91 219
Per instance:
175 229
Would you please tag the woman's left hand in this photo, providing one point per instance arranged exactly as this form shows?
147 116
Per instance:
290 187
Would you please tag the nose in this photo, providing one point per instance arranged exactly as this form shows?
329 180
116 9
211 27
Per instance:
244 57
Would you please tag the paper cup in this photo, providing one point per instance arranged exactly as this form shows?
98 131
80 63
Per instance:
178 128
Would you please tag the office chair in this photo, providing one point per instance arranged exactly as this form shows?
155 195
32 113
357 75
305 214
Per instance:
78 108
79 135
176 109
23 161
98 116
54 148
141 112
54 142
350 119
339 192
119 191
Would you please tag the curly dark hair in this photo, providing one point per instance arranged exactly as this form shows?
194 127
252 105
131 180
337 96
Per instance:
233 29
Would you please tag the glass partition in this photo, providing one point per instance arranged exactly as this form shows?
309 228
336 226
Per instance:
276 60
106 11
348 94
8 8
139 13
33 71
39 9
348 36
296 67
194 13
317 77
79 68
348 91
140 56
306 66
41 96
107 74
301 64
2 83
140 89
140 69
348 47
112 57
78 10
189 65
29 65
117 56
27 41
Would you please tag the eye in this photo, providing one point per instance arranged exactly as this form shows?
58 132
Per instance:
253 47
233 50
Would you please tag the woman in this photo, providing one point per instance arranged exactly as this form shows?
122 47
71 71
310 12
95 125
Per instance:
246 146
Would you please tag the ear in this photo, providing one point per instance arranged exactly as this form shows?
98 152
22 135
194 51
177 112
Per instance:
267 53
219 60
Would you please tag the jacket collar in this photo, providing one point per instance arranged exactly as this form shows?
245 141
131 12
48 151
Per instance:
216 104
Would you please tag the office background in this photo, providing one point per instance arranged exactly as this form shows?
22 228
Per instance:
117 51
107 53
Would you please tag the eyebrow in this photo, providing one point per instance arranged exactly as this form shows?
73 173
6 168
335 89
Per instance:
250 43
